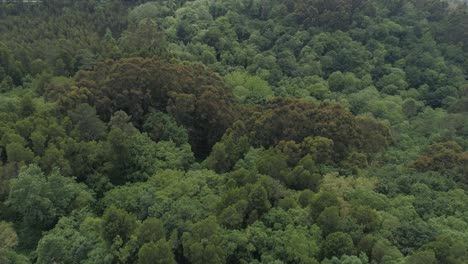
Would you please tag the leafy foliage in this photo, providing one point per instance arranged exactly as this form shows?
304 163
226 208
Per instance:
281 131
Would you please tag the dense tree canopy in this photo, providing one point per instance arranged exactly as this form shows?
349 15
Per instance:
234 131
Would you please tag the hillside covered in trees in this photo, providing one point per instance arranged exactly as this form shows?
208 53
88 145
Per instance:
234 131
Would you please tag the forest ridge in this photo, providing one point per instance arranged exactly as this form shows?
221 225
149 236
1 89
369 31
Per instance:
234 131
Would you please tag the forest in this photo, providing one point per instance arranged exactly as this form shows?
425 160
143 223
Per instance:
234 131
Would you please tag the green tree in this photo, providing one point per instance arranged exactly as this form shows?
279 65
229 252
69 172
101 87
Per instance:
337 244
272 163
202 243
150 230
163 127
122 121
52 250
421 257
248 88
337 82
157 253
8 239
144 39
258 202
330 220
8 236
41 200
16 152
117 223
87 122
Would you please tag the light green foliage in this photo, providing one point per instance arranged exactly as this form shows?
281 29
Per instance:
136 157
313 86
369 100
393 82
247 88
53 249
9 240
72 239
8 236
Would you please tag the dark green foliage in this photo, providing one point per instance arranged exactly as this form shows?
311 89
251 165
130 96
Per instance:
201 243
337 244
41 200
192 95
160 126
150 230
117 224
87 123
412 235
157 253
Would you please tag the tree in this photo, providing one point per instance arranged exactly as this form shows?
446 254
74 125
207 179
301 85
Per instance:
335 14
232 147
201 243
439 156
194 96
8 240
330 220
85 60
247 88
118 156
157 253
304 175
272 163
122 121
8 236
152 10
144 39
422 257
117 224
145 157
52 249
41 200
384 251
230 217
447 249
366 217
26 106
16 152
150 230
163 127
258 202
87 122
54 158
337 244
412 235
